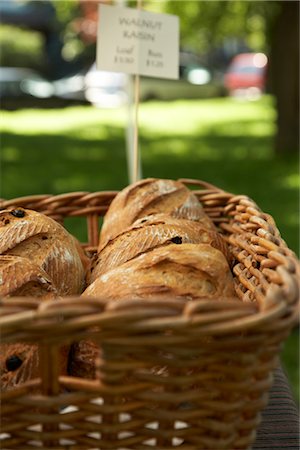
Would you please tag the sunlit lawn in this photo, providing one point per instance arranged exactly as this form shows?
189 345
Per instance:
223 141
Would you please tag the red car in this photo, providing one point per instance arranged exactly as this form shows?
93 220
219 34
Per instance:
246 71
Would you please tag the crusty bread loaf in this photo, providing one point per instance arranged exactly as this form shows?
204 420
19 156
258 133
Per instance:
83 359
191 271
156 242
20 363
40 239
21 277
38 258
147 197
152 232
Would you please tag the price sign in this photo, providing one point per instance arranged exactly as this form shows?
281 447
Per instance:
138 42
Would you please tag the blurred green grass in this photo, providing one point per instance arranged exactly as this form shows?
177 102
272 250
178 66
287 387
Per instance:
223 141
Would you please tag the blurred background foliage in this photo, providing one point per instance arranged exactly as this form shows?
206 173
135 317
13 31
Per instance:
216 30
26 49
246 20
203 25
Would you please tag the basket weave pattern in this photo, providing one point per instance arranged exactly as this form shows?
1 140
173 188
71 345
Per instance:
192 375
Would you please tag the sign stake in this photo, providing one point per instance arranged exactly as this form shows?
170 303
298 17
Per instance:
136 119
133 41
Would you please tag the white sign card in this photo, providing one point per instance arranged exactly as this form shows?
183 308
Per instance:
138 42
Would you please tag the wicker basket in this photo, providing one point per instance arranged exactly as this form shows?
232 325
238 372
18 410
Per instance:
190 375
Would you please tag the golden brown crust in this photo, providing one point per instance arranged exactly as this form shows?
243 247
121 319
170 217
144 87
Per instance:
191 271
83 359
152 232
20 363
22 277
156 243
148 197
38 258
38 238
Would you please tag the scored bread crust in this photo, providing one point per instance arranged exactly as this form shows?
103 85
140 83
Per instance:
29 368
156 243
152 232
21 277
147 197
44 241
83 359
38 258
190 271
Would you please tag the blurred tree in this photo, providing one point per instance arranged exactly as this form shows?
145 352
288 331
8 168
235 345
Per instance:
81 29
45 36
268 26
39 17
69 28
284 74
25 50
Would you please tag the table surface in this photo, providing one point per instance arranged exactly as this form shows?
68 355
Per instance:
280 420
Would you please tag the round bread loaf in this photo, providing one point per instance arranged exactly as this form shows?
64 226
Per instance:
20 277
191 271
43 241
20 363
152 232
147 197
83 359
156 242
38 258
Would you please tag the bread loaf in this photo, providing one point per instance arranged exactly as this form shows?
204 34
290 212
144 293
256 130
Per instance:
20 363
191 271
38 258
156 242
152 232
187 271
147 197
40 239
83 359
21 277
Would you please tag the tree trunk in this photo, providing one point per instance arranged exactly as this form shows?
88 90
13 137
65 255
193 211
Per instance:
284 72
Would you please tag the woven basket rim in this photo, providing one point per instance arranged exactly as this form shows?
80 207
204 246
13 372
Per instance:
93 204
33 318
